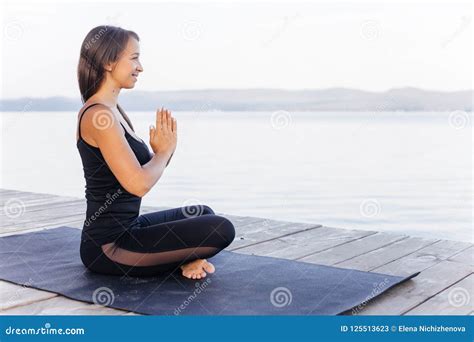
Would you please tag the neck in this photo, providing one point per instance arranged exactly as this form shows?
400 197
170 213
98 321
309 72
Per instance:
108 94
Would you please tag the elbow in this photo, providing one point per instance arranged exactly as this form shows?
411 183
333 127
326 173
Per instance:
139 187
141 190
142 184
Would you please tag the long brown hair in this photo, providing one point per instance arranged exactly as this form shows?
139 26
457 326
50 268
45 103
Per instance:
102 45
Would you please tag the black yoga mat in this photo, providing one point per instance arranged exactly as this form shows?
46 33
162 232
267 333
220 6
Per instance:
242 284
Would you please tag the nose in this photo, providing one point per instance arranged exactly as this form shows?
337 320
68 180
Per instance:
140 67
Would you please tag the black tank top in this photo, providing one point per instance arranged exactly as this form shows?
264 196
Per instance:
110 208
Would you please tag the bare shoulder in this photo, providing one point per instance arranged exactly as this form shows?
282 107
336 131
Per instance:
98 117
98 123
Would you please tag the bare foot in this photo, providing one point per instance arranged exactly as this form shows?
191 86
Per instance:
197 269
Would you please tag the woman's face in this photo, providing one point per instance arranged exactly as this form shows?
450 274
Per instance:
128 66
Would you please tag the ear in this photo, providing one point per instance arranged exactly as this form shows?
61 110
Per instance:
109 67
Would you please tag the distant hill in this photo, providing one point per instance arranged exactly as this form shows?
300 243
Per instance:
333 99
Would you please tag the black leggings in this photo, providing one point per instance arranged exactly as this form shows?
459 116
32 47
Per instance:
161 242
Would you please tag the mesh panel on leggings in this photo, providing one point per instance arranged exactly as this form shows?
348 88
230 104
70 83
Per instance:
182 256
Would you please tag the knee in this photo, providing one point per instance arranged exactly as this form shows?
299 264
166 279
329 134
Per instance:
226 230
207 210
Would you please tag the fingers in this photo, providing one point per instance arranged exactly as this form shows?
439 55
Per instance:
165 121
152 132
168 120
175 126
159 118
162 118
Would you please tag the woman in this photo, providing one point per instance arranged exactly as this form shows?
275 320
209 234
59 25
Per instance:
119 169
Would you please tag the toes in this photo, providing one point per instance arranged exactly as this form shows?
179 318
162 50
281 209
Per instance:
203 274
209 267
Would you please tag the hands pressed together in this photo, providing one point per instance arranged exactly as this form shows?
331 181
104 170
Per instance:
164 137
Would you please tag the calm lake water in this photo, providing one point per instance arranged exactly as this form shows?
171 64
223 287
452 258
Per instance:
403 172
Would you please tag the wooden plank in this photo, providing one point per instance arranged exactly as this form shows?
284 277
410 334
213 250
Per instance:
353 249
3 191
51 222
28 218
77 225
301 244
265 225
12 295
411 293
384 255
423 258
60 305
43 205
25 197
246 239
455 300
465 256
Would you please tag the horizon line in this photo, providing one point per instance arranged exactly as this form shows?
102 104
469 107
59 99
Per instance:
273 89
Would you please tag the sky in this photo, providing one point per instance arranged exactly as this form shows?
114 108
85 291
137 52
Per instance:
241 44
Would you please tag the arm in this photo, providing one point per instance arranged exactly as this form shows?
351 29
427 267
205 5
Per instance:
153 154
153 170
133 177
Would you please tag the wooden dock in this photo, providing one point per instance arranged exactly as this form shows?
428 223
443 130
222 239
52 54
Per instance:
444 287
